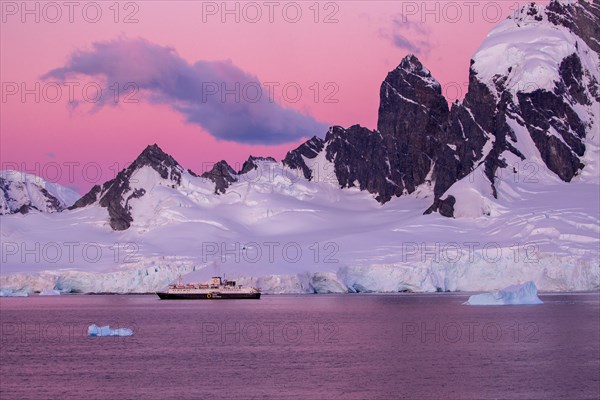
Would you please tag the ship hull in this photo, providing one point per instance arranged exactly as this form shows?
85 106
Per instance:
208 296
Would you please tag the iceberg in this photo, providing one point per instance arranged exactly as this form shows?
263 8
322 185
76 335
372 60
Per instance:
525 293
94 330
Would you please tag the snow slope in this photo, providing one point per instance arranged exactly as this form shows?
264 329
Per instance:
288 235
23 192
528 49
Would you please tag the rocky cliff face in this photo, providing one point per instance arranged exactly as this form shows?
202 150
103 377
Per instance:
412 137
528 74
418 141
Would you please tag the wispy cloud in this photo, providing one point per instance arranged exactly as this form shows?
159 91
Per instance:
194 90
408 35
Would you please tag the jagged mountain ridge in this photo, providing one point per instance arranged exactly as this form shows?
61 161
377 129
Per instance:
223 175
115 195
419 141
422 144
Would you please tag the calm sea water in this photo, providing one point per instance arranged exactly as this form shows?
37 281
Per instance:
301 347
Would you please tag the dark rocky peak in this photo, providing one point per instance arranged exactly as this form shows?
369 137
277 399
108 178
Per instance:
412 136
154 157
309 149
221 168
409 85
411 64
412 120
222 175
252 163
410 91
115 194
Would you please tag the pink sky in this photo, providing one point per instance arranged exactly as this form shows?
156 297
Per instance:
355 53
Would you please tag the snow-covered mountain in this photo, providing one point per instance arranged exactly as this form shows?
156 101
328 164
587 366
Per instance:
515 166
23 193
534 89
275 229
532 103
132 183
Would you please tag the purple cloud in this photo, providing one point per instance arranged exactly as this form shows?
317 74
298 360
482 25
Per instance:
409 35
224 100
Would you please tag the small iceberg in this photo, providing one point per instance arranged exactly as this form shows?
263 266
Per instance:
525 293
94 330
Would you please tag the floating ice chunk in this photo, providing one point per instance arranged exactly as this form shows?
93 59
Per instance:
94 330
525 293
50 292
13 293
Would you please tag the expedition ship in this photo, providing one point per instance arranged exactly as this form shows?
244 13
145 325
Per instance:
216 290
